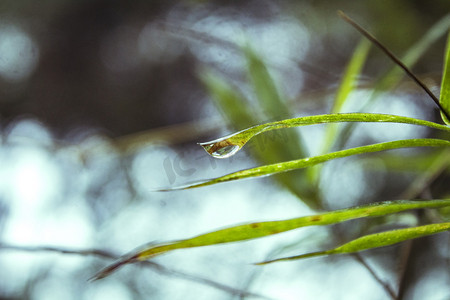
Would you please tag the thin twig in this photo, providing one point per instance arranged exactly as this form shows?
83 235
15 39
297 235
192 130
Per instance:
151 265
82 252
386 286
183 32
405 259
394 58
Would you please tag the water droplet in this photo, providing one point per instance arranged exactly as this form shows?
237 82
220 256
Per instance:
226 151
221 148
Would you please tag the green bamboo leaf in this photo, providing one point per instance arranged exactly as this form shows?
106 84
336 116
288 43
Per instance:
351 74
436 166
312 161
412 56
240 115
273 104
233 105
264 86
346 86
395 74
261 229
227 146
374 241
444 98
418 163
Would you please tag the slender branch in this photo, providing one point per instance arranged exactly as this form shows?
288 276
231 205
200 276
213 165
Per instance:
391 55
82 252
151 265
385 285
234 46
387 288
404 263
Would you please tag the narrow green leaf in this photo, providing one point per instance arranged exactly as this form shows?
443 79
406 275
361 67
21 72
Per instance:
229 145
273 104
348 83
413 54
241 114
444 98
312 161
374 241
395 74
264 86
418 163
391 56
233 105
346 86
351 74
436 166
261 229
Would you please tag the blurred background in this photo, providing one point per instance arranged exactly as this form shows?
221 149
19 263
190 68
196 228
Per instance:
101 104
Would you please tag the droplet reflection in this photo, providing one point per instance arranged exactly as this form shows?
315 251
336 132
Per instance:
220 148
226 151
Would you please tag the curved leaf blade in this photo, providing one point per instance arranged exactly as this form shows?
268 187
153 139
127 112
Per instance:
228 98
229 145
444 98
241 114
256 230
375 240
312 161
274 105
348 83
351 74
393 77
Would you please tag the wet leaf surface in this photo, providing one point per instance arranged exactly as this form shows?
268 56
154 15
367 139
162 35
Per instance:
312 161
376 240
261 229
239 139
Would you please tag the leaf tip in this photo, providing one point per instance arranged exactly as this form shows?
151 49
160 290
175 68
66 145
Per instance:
261 263
108 270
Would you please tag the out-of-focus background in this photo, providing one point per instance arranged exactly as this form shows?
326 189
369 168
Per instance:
101 104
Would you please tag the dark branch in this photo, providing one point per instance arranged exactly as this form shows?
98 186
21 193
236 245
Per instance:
386 286
151 265
391 55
